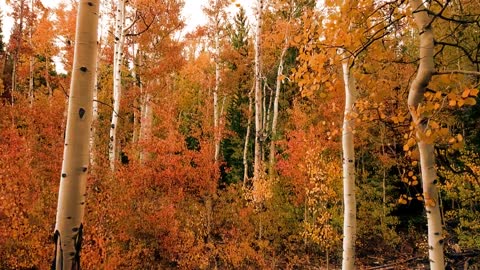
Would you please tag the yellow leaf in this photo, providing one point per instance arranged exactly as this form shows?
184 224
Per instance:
452 102
470 101
474 92
414 163
410 173
428 133
406 147
459 137
436 106
411 141
460 103
466 93
434 124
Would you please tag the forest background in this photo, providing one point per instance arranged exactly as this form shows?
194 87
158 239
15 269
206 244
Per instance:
215 150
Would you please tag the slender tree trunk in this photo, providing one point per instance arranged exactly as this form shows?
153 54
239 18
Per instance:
350 215
247 137
136 105
216 115
117 80
258 95
71 200
94 113
146 123
278 87
426 149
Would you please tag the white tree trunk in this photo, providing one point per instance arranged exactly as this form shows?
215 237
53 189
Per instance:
426 149
94 116
258 96
71 200
216 116
275 105
117 80
247 137
350 213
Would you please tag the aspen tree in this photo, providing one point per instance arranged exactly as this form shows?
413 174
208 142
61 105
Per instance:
350 213
348 158
71 199
424 75
258 95
216 12
117 79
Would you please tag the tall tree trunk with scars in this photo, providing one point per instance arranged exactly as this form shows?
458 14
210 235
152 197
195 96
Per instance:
257 166
71 200
117 80
350 213
427 156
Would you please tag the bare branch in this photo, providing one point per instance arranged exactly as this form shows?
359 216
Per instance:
465 72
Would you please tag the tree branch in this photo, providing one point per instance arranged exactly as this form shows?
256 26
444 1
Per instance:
465 72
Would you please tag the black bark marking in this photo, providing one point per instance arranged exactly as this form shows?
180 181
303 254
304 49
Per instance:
440 242
90 4
84 169
75 230
64 175
58 244
82 203
435 181
69 217
81 112
83 69
113 126
78 247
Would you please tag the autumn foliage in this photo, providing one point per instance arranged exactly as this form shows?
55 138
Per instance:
170 204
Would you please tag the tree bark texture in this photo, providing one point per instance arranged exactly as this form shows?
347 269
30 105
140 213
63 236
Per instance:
427 155
71 200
